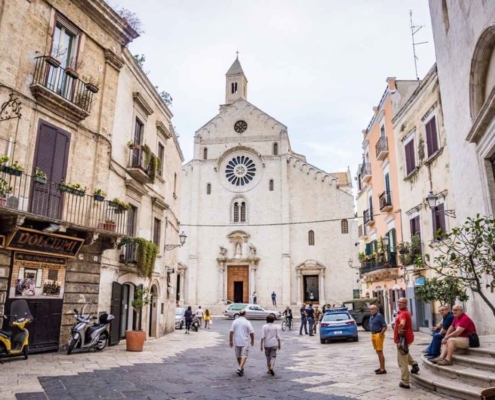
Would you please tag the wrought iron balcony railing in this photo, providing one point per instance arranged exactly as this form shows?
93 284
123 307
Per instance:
54 202
368 217
63 82
385 200
366 172
381 263
381 148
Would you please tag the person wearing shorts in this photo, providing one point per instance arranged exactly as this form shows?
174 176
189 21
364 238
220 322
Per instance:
378 327
241 335
270 342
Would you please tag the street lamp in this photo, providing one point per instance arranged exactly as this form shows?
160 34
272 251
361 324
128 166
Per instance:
182 240
431 199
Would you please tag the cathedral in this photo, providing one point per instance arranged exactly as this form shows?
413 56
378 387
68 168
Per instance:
259 218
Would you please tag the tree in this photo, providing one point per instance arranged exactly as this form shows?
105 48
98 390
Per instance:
140 59
166 98
445 290
467 259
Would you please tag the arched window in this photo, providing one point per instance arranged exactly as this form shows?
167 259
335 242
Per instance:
344 226
239 209
275 149
205 153
243 211
208 188
311 238
271 185
236 212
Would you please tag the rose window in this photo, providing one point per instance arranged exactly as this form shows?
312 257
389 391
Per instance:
240 170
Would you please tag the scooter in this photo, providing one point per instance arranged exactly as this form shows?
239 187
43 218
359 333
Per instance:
88 335
195 324
16 343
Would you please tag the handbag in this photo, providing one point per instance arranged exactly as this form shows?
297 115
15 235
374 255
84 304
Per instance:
474 340
402 345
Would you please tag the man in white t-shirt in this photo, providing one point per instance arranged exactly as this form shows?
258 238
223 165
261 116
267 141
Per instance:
199 315
241 333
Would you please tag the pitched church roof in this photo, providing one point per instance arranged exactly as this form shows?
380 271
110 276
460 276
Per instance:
235 68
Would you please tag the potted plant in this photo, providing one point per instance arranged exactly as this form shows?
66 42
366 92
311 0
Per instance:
99 195
92 84
70 70
40 176
78 189
14 169
119 205
108 225
135 339
64 187
56 53
3 161
5 189
131 145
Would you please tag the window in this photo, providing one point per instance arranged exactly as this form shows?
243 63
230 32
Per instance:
233 87
382 131
239 212
236 212
243 211
156 231
208 188
344 226
438 218
270 185
431 136
415 226
161 152
205 154
130 231
410 157
311 238
175 183
137 140
275 149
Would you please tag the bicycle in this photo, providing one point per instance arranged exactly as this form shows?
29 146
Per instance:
287 323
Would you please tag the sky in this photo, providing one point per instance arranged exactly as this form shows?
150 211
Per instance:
317 66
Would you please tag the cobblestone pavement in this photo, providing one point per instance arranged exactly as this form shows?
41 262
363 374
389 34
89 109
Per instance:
202 366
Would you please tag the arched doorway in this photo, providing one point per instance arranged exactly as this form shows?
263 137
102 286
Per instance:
153 311
126 309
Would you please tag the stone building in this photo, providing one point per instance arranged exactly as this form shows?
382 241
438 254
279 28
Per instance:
259 217
377 178
423 166
64 87
464 34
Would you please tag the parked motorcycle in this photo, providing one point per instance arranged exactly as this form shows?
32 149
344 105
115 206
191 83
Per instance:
86 334
16 343
195 324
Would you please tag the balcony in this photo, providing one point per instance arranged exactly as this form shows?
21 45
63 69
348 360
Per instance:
366 172
139 168
381 148
380 268
61 91
368 217
39 199
385 201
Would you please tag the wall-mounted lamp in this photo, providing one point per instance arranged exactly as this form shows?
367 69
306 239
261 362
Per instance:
182 240
431 199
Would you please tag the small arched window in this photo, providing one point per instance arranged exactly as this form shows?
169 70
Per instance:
208 188
243 212
344 226
270 185
236 212
275 149
205 153
311 238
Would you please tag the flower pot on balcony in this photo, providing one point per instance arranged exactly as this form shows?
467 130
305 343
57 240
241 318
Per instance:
40 180
78 192
63 188
92 88
98 197
118 210
12 171
52 61
71 72
135 340
107 226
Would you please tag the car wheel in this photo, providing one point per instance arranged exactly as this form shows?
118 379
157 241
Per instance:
366 324
236 316
355 339
322 341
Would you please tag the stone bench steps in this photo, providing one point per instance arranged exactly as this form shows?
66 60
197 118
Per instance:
473 376
476 362
447 386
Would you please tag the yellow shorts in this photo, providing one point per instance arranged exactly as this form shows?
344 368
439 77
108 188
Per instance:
377 341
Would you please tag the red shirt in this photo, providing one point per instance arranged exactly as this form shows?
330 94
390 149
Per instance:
404 315
464 322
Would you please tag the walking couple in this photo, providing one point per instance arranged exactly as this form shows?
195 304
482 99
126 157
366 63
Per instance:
242 335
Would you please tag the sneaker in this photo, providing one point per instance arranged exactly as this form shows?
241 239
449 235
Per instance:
415 368
240 372
381 372
444 362
404 386
435 360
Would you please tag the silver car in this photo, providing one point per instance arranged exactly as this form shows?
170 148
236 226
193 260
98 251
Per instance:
255 311
180 320
232 310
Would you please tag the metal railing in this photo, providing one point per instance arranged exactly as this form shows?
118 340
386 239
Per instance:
32 195
368 216
138 160
370 266
381 145
385 200
365 169
62 82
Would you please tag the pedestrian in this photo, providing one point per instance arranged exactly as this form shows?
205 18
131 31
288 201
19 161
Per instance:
188 315
240 334
378 326
403 329
439 332
274 298
310 316
304 321
199 315
457 336
317 319
270 339
207 319
288 316
255 298
311 296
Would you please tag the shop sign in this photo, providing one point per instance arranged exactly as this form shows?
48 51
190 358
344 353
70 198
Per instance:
356 294
39 259
33 241
419 281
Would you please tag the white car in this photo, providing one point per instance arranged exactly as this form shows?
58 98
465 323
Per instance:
179 317
255 311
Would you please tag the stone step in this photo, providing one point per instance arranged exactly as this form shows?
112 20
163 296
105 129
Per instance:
477 362
451 387
483 351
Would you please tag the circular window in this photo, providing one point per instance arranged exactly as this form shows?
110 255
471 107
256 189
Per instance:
240 170
240 126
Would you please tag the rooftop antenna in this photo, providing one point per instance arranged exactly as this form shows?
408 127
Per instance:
415 29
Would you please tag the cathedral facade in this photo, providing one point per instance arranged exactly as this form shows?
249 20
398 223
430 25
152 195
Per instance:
260 218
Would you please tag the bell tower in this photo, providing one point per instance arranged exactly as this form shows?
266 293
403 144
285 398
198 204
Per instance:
235 83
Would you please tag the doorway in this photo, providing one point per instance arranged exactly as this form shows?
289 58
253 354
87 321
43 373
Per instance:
153 311
179 289
311 288
238 290
238 283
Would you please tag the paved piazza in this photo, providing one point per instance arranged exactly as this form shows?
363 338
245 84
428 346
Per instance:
202 366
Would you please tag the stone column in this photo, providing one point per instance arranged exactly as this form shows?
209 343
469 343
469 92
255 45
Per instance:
182 282
299 290
221 285
322 288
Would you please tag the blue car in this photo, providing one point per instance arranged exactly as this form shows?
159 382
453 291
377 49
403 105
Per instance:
337 323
